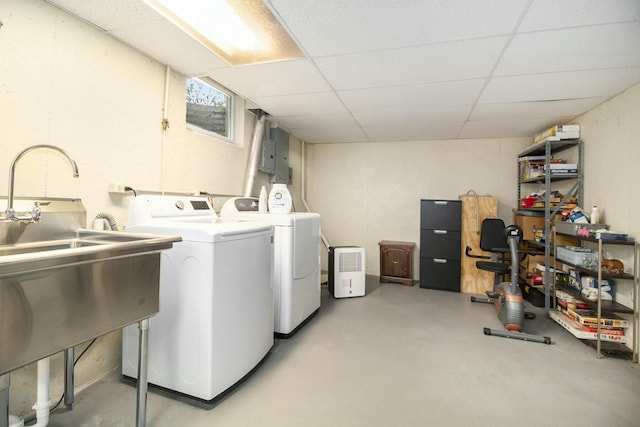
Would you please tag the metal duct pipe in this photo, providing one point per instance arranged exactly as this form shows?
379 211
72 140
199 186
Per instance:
256 145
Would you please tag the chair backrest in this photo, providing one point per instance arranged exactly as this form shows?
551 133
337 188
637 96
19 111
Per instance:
492 235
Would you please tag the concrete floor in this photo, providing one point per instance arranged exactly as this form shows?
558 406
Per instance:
400 356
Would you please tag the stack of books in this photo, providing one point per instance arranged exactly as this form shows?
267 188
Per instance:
583 324
534 166
558 132
558 168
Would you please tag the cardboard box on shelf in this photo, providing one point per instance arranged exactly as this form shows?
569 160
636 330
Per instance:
528 222
566 241
530 263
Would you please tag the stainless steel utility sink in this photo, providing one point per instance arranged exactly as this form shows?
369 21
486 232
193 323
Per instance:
30 248
61 287
82 246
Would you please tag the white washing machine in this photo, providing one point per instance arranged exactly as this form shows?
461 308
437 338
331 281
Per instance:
215 322
296 261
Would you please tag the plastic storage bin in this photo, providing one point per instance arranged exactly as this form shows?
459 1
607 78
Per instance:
581 257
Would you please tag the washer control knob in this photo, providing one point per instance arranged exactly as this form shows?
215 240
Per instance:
180 205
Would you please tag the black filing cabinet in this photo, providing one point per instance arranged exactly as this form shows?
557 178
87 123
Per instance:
440 225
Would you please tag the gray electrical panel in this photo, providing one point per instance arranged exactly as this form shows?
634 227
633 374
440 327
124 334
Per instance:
268 158
280 139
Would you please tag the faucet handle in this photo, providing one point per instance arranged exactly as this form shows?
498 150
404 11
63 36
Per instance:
11 215
36 212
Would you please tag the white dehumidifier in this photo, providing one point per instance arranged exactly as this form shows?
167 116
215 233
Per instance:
346 271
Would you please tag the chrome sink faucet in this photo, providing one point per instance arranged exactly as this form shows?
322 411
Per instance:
34 216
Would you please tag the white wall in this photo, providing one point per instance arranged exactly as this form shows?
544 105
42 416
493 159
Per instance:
367 192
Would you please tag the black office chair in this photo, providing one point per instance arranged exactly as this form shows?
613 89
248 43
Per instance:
492 239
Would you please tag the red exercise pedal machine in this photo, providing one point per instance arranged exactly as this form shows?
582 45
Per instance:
507 296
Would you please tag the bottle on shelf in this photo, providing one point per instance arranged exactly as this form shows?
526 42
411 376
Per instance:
262 200
595 215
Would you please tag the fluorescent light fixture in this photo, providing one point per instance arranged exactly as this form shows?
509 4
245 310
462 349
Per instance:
239 31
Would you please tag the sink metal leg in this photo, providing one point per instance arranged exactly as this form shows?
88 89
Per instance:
69 380
143 353
4 400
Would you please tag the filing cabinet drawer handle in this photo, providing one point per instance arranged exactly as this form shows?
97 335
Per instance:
440 260
440 202
439 231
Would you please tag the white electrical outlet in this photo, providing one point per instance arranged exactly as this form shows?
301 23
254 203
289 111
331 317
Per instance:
117 188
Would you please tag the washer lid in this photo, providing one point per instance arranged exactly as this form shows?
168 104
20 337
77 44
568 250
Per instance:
205 231
280 220
192 218
246 208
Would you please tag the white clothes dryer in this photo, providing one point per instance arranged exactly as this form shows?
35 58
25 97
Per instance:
215 322
296 261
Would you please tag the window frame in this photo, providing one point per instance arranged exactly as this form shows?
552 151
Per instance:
233 116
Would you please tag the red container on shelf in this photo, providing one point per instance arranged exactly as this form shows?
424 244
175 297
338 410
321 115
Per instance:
527 202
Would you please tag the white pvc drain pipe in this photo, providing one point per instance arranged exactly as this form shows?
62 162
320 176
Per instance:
43 404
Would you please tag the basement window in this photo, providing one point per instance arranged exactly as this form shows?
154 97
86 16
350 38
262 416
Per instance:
210 109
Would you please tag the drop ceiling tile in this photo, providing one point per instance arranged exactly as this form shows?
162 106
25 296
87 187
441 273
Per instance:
301 105
318 121
170 45
549 14
110 14
273 78
585 48
418 96
332 134
411 117
558 86
535 109
506 128
415 132
414 65
330 27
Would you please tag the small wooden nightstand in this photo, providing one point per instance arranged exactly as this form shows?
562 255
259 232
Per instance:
396 262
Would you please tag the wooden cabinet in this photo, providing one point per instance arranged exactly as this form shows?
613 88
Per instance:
396 262
440 247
